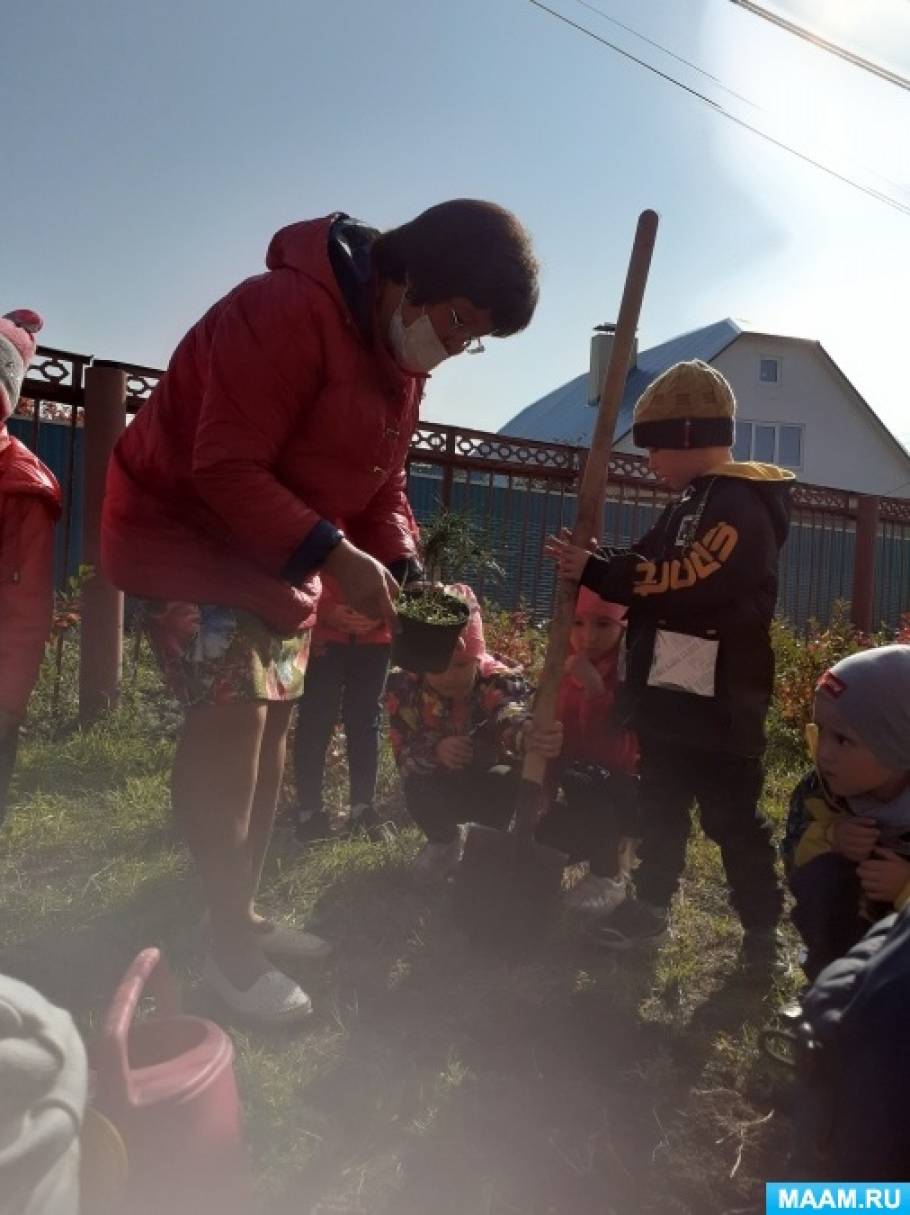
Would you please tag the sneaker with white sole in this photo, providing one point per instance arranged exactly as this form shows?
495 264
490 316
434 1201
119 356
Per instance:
437 860
273 999
597 895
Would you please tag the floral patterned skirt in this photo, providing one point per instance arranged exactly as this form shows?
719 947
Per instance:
218 655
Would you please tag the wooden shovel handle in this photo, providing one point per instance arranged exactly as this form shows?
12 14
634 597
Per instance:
594 480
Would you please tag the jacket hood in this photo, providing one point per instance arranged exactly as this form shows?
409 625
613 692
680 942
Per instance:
750 470
304 246
335 252
772 484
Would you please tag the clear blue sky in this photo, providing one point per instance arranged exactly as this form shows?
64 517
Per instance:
152 149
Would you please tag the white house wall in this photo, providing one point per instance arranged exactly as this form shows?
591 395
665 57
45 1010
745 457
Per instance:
843 446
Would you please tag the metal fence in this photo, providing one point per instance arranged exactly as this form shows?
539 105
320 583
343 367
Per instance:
842 546
519 491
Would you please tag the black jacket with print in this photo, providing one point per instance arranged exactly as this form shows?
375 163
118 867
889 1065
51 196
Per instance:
708 569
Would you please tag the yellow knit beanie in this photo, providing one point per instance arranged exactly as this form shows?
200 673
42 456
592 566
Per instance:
689 405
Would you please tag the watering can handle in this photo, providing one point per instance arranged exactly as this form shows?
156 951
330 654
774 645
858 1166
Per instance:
148 972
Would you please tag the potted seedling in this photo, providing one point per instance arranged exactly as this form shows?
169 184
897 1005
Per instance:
431 618
429 622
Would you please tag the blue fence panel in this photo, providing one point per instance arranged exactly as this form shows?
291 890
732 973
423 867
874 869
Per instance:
892 574
53 448
517 512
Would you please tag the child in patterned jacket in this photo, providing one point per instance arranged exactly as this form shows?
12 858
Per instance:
458 737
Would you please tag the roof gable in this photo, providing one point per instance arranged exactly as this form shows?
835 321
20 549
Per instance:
564 415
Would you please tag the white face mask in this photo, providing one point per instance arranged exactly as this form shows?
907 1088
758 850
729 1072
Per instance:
416 346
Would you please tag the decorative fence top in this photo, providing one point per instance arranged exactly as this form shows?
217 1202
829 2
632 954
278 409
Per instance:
59 376
56 375
440 444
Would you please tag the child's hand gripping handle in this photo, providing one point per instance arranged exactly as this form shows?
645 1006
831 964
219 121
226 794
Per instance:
590 510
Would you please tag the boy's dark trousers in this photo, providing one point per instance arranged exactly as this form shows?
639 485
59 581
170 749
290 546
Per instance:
439 800
346 680
598 809
827 910
727 788
8 745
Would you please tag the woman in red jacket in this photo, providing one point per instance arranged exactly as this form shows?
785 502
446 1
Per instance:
29 507
597 819
287 409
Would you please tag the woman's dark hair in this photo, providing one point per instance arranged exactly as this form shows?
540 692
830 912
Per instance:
468 248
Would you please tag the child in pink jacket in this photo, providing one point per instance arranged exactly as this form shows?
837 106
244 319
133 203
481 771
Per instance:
596 819
29 507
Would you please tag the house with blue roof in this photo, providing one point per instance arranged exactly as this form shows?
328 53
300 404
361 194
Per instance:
795 407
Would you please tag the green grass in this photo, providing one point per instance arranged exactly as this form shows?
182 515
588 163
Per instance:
434 1077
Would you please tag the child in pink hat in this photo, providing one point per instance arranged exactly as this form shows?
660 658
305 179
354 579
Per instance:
458 737
29 507
596 818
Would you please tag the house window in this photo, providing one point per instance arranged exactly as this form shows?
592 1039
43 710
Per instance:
769 443
769 371
790 446
742 446
763 444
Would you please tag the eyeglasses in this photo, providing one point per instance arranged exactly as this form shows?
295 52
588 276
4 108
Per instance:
470 345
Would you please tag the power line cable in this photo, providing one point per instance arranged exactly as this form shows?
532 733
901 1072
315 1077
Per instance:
902 187
719 109
666 51
823 44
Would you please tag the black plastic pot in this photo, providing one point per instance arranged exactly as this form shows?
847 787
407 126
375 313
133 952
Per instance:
425 646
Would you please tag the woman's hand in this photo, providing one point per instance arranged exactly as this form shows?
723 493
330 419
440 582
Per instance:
455 752
854 838
365 584
884 875
570 559
543 740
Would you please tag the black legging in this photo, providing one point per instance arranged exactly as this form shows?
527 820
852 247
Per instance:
598 809
346 681
827 911
8 746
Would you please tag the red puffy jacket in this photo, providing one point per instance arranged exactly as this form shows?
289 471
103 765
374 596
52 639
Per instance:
589 736
29 507
274 414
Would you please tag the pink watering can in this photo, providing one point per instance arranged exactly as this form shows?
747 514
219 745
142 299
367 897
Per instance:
166 1083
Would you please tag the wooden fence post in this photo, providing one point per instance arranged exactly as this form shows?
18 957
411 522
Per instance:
863 600
447 470
101 634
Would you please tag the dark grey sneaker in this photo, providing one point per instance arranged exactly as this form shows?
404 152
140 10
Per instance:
363 820
312 827
633 923
763 949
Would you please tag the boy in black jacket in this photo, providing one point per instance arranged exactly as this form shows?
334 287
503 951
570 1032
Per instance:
701 588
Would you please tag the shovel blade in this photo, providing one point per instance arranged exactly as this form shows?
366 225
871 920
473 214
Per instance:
506 888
